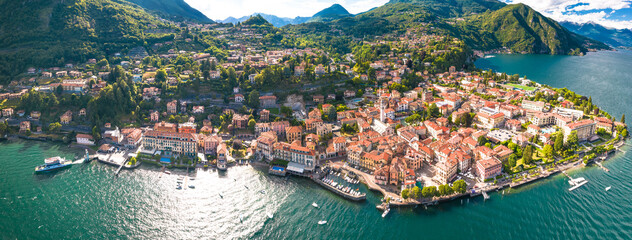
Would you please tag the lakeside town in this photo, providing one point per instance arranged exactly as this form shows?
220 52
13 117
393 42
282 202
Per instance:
418 132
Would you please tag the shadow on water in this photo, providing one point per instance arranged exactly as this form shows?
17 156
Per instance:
47 176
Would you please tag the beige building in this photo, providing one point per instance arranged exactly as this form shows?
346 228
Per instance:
181 143
585 129
293 133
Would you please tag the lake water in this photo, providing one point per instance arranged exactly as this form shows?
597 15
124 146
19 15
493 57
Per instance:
88 202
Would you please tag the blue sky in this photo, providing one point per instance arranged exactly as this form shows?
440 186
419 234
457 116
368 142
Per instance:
221 9
610 13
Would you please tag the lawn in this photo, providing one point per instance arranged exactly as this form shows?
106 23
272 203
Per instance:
273 110
526 88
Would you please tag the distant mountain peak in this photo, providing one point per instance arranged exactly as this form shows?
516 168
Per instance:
335 11
257 20
611 36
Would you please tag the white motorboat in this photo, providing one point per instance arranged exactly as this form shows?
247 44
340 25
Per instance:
576 183
608 188
321 222
315 205
270 215
386 212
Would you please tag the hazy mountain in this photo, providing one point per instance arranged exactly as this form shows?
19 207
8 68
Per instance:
610 36
336 11
274 20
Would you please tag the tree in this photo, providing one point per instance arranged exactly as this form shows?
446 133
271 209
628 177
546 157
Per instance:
623 118
161 76
251 124
405 193
54 127
548 151
286 110
559 142
482 140
459 186
429 191
413 118
59 90
512 160
445 189
527 154
3 127
572 139
253 99
433 110
416 192
96 132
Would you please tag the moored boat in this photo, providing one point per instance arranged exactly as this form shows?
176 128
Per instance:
386 212
52 164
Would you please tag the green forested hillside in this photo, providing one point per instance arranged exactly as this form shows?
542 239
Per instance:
455 8
51 33
334 12
516 27
522 29
177 9
257 21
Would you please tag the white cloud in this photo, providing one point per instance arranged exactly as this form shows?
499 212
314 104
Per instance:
575 10
221 9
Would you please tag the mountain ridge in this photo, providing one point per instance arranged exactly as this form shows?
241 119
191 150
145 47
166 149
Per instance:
173 8
335 11
611 36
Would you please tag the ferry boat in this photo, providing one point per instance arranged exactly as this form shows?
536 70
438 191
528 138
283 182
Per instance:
52 164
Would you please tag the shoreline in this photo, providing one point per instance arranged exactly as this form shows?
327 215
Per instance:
576 164
371 186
